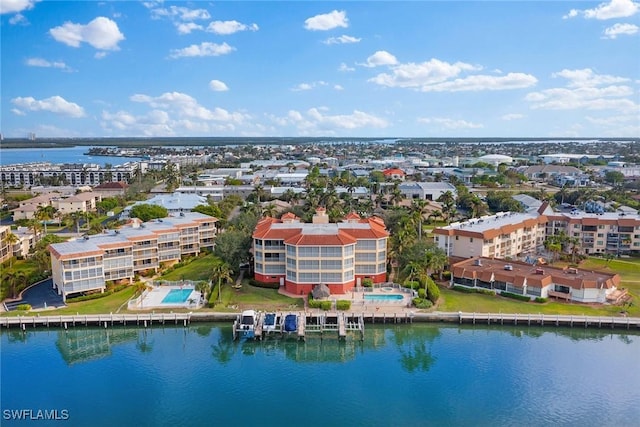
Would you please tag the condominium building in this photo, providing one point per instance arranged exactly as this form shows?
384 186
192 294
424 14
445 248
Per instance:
6 250
504 235
570 284
67 173
516 234
608 232
301 255
87 263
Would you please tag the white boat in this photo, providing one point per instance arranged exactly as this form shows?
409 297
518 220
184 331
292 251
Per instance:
247 325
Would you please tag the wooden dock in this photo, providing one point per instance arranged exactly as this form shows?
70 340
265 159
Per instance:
106 320
550 319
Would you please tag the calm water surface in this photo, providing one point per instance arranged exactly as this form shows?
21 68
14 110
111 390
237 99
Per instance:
57 155
399 376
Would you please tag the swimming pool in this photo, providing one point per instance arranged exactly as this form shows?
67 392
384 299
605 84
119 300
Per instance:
383 297
177 296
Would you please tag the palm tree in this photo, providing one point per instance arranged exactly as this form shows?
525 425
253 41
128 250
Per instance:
448 201
219 273
418 209
270 210
437 261
44 214
10 239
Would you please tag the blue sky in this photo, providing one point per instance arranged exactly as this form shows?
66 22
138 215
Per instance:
313 68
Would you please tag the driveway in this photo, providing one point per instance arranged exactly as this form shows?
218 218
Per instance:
39 296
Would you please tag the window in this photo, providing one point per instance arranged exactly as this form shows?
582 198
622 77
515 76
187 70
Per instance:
308 251
331 277
331 251
348 250
291 262
365 257
308 264
382 256
348 263
291 275
291 250
331 264
366 245
382 243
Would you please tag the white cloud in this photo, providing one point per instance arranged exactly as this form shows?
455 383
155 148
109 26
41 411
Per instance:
450 124
381 57
218 86
187 27
620 29
342 40
187 107
613 9
177 12
344 67
484 82
55 104
39 62
154 123
316 121
414 75
512 116
18 18
15 6
18 112
338 87
585 90
327 21
229 27
101 33
308 86
100 55
586 77
202 49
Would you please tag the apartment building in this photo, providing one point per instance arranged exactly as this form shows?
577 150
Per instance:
301 255
64 204
569 284
599 233
516 234
68 173
6 250
503 235
86 264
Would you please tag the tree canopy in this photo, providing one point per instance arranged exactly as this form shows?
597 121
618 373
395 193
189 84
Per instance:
146 212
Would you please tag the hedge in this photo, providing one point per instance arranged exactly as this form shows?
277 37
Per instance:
342 304
422 303
367 283
97 295
540 300
433 292
323 305
515 296
24 307
472 290
267 285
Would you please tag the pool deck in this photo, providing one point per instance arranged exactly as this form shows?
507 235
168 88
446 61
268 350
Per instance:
154 296
360 305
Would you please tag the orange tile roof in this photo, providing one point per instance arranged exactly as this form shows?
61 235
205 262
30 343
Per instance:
340 239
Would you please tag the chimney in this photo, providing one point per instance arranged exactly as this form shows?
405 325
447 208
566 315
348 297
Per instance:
321 216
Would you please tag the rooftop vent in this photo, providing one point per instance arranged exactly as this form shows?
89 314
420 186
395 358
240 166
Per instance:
478 262
539 271
508 267
572 270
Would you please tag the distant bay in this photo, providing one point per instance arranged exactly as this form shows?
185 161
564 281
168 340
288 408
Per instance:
401 375
10 156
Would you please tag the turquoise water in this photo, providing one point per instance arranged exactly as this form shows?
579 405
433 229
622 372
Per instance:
401 375
383 297
176 296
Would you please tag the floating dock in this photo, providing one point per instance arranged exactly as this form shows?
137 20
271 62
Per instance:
309 323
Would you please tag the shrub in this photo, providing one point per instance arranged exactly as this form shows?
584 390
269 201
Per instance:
422 293
422 303
343 304
367 283
515 296
266 285
24 307
97 295
433 292
446 275
473 290
540 300
412 284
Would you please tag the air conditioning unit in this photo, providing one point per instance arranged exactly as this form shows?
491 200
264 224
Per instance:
508 267
478 262
572 270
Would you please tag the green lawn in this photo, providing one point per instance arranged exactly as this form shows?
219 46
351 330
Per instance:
199 269
459 301
106 305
